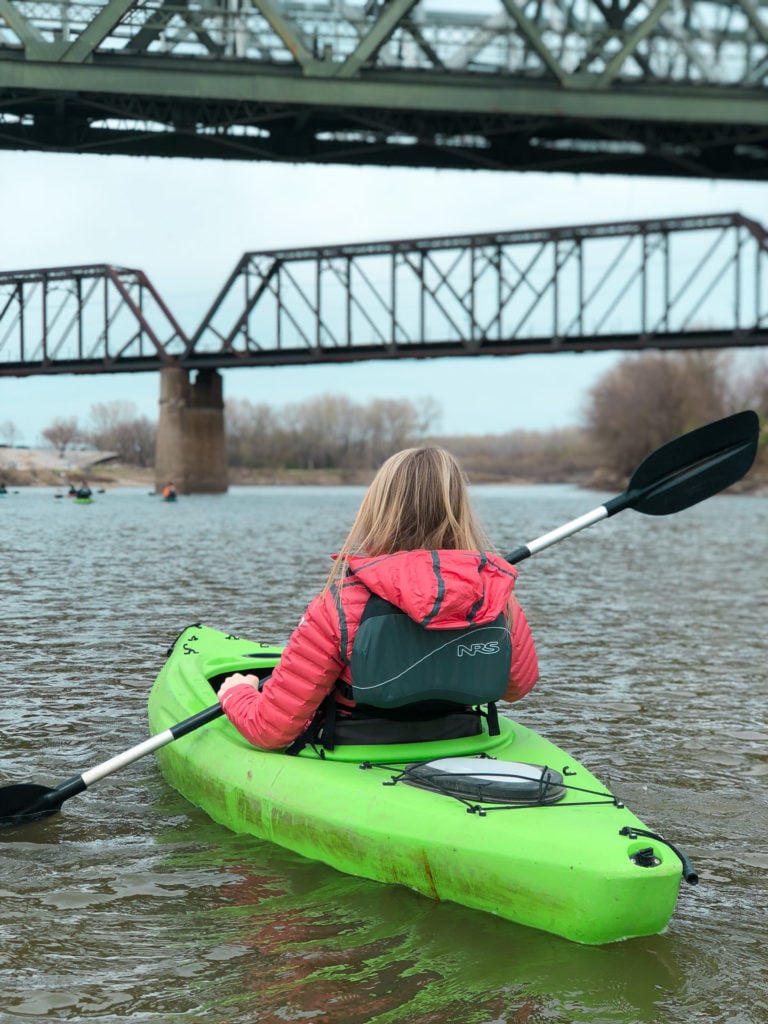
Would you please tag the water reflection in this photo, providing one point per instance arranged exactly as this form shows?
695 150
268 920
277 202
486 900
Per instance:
305 942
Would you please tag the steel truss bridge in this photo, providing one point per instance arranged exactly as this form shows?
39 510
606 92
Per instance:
672 87
688 282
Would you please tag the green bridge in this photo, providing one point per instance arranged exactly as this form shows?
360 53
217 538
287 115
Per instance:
672 87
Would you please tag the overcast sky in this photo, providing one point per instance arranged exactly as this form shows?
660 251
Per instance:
186 223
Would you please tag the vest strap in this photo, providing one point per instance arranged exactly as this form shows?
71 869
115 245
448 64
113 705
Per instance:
492 715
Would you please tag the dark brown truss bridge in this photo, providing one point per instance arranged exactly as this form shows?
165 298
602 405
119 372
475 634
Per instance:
687 282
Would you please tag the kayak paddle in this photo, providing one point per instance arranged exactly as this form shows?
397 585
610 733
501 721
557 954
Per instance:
29 802
681 473
674 477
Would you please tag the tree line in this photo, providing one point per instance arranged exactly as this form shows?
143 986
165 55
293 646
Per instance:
645 400
329 432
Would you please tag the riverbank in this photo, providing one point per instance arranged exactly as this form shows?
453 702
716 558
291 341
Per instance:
46 466
116 474
41 468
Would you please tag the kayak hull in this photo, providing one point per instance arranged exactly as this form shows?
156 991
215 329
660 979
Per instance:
565 868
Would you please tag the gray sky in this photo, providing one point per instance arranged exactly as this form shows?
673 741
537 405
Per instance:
186 223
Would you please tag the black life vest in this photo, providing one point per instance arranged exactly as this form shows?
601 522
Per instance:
412 684
397 663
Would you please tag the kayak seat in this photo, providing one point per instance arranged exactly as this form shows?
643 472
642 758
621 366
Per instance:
367 730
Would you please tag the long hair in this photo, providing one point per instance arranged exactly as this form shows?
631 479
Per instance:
418 499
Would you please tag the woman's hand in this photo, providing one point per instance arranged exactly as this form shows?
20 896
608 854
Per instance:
238 679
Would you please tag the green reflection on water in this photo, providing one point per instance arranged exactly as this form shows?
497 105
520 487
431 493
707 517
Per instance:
308 943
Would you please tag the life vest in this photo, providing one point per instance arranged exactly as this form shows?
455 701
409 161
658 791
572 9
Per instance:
413 684
397 663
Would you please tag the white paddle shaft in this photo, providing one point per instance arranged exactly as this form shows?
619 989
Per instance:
127 757
588 519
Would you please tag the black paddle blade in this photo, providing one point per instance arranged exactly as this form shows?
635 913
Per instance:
694 467
26 802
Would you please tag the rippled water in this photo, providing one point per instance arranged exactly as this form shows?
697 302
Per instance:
131 905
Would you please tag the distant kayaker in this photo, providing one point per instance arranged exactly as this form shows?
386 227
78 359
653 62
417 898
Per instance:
83 491
410 636
169 492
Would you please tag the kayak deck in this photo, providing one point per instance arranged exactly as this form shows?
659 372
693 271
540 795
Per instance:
570 867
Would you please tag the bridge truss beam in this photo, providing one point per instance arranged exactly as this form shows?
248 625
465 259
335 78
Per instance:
688 282
88 319
673 87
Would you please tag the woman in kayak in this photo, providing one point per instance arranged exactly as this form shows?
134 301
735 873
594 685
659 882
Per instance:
416 630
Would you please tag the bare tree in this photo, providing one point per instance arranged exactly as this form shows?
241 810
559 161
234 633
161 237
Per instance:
135 441
648 399
328 432
429 415
9 433
254 434
116 427
107 418
61 433
525 455
391 425
751 388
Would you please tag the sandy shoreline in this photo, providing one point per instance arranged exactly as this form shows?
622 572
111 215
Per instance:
46 467
42 467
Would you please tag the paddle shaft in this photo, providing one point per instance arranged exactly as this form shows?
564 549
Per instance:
54 798
560 533
151 744
566 530
674 477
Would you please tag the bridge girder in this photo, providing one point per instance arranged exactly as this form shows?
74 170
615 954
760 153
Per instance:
574 85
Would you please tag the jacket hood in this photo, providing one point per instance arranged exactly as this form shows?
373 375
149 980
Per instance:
439 589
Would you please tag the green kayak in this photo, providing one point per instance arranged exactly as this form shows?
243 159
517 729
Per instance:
509 824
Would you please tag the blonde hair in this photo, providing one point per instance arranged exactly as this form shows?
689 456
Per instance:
418 499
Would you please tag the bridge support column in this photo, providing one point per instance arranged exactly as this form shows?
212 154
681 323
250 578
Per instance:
191 449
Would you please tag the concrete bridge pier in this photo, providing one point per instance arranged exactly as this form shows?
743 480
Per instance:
191 450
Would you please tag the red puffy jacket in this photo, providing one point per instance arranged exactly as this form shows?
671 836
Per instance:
441 590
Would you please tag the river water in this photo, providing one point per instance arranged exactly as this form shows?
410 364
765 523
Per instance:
131 905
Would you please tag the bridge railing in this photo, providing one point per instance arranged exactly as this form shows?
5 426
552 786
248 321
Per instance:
672 87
